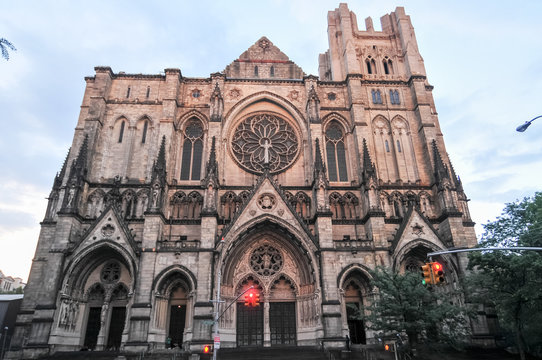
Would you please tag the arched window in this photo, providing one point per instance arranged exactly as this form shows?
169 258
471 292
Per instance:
256 71
336 153
398 146
377 97
121 132
148 92
272 71
144 136
394 97
369 70
192 151
387 146
128 92
388 66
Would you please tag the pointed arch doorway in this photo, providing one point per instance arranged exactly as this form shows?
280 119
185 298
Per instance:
274 260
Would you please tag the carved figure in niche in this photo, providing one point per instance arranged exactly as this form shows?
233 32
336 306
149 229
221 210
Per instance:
217 104
155 195
313 105
210 197
71 195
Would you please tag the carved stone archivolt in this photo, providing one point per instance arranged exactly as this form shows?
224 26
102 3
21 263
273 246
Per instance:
264 139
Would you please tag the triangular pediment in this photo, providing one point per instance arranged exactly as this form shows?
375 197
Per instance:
264 60
267 201
415 226
109 226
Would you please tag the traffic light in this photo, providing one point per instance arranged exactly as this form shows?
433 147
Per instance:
387 347
252 298
426 273
438 272
207 349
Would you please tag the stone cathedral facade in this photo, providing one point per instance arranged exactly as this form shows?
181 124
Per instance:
291 183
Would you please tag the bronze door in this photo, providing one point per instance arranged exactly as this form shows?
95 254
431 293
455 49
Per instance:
282 323
177 319
356 327
93 327
249 325
116 327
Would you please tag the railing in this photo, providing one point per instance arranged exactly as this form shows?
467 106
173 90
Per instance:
353 244
178 245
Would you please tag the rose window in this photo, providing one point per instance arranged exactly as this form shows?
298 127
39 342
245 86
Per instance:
264 139
110 272
266 260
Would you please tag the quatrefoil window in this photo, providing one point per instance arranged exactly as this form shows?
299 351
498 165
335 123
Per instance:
266 260
264 139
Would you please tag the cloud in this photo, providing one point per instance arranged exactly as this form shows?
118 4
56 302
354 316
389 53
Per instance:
26 202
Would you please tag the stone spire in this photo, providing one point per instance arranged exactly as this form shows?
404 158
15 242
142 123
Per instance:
54 194
368 169
210 182
60 176
321 183
440 170
158 179
74 185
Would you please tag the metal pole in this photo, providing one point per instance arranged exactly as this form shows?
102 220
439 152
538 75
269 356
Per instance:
453 251
4 341
217 304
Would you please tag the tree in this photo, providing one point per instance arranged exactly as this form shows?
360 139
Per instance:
404 305
511 280
5 45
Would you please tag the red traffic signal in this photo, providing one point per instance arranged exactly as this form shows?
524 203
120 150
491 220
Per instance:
438 272
207 349
252 298
387 347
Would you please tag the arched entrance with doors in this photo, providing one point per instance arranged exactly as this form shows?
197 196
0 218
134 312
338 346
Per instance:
274 261
95 297
414 254
356 293
173 292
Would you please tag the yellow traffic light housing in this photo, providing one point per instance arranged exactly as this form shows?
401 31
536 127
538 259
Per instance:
438 273
426 273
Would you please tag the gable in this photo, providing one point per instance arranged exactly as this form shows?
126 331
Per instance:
109 226
263 60
415 226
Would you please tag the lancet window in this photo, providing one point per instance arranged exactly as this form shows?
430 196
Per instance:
192 151
336 152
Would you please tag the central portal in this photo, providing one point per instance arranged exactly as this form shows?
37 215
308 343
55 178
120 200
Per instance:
249 325
282 323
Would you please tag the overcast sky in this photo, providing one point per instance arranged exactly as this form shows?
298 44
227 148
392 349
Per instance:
483 57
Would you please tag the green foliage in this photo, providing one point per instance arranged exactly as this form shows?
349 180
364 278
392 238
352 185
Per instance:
5 46
404 305
511 280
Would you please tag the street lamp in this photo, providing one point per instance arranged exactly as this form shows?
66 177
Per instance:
524 127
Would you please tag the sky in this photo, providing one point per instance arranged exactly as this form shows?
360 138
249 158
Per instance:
484 59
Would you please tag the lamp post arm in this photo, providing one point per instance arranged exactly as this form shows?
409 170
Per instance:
234 301
524 126
453 251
